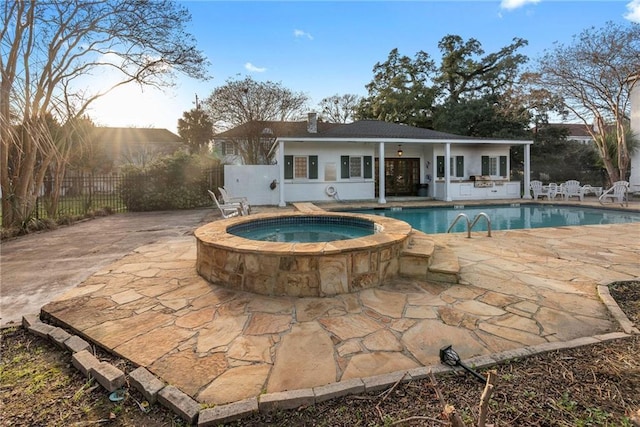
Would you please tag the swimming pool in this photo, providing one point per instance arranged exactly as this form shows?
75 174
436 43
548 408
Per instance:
504 217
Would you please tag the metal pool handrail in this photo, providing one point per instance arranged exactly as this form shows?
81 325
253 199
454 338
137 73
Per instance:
470 224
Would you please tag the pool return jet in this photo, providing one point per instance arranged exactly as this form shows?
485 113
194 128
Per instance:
448 356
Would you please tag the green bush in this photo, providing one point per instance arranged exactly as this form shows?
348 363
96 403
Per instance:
179 181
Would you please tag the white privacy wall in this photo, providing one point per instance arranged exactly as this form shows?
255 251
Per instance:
252 182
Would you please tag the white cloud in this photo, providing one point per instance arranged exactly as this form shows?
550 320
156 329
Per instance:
300 33
515 4
634 11
250 67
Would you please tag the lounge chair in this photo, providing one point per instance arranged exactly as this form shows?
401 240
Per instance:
227 210
572 188
227 199
618 193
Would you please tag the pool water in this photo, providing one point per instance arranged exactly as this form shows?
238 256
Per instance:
304 229
504 217
307 233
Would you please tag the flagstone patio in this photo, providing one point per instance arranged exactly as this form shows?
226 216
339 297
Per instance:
517 289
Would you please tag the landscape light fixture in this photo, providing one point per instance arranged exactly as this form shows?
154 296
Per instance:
450 357
400 150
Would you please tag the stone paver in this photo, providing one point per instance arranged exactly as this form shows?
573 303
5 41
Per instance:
518 290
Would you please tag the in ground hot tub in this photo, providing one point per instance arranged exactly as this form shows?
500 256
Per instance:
301 268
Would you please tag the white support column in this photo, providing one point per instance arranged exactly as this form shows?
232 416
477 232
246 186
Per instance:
282 203
527 171
447 172
381 183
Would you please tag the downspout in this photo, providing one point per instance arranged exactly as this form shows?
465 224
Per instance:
282 203
447 172
381 183
527 171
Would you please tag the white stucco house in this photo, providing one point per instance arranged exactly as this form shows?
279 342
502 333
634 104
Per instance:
371 159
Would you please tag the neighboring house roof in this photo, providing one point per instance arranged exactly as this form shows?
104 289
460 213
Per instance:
576 130
137 135
128 145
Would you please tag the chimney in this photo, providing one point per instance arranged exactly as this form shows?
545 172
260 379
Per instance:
312 123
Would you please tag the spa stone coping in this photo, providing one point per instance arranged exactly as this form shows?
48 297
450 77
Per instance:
388 231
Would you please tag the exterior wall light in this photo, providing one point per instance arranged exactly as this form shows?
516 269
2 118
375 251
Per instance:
400 150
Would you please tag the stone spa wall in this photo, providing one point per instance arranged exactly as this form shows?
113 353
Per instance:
300 269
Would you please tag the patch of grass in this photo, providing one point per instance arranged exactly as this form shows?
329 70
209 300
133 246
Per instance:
39 387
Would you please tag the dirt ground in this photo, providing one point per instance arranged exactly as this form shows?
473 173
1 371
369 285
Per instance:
596 385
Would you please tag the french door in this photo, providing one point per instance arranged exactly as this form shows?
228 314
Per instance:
402 176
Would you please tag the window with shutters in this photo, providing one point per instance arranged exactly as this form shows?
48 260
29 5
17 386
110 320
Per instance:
301 167
356 167
494 166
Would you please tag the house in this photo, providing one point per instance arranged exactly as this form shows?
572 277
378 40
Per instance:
258 133
137 146
575 131
372 159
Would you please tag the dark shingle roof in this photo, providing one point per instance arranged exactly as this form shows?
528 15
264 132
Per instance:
361 129
380 129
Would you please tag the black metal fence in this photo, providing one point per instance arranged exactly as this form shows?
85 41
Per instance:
81 195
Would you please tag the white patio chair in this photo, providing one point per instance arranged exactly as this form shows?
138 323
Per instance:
227 199
226 210
572 188
551 191
618 193
536 188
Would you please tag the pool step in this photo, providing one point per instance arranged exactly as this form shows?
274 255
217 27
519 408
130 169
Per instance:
422 259
416 256
444 266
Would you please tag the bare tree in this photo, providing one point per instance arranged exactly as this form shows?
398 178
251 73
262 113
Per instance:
593 75
243 101
250 103
48 49
339 108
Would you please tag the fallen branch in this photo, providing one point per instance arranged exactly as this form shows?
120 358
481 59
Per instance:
486 395
387 393
417 417
449 411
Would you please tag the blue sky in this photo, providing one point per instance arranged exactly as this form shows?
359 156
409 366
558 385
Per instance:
326 48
